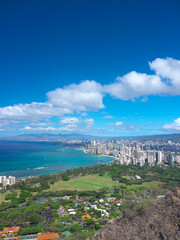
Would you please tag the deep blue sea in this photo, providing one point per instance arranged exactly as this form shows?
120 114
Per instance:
23 159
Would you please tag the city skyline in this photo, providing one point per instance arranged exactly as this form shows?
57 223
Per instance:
98 68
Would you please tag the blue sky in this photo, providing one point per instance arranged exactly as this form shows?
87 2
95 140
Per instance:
94 67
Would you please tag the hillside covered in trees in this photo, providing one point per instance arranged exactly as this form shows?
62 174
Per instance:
96 195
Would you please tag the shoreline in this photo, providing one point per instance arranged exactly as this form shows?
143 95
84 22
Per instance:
22 174
84 150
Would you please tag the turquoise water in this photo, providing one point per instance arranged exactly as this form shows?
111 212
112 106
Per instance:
23 159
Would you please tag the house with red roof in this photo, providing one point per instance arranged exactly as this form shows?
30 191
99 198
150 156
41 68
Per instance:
47 236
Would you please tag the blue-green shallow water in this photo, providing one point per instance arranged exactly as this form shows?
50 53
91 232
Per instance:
23 159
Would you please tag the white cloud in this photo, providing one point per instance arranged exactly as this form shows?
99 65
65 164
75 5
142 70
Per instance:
69 120
169 69
85 96
173 127
2 129
103 112
144 99
108 117
117 124
31 112
38 129
84 114
122 126
42 124
67 128
71 124
4 123
89 122
135 85
88 96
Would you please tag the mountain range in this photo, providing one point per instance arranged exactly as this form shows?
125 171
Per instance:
60 137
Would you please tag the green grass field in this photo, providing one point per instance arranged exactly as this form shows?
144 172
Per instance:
2 195
95 182
91 182
145 185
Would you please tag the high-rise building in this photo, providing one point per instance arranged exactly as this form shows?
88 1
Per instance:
150 156
135 154
159 157
177 159
2 179
115 152
170 159
141 163
12 180
93 142
141 156
7 181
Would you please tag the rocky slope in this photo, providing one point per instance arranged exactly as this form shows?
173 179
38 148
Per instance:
162 221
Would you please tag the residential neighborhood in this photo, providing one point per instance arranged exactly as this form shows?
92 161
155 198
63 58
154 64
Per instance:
87 213
11 233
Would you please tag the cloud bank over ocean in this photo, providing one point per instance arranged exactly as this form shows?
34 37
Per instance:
79 99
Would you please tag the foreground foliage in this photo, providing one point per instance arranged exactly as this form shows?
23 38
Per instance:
32 204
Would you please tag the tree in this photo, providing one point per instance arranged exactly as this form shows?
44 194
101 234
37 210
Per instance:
14 202
34 219
30 230
45 185
65 177
75 228
97 226
11 196
114 214
25 194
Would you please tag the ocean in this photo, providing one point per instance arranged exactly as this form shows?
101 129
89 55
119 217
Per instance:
24 159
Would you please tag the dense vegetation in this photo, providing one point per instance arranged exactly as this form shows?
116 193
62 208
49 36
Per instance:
34 204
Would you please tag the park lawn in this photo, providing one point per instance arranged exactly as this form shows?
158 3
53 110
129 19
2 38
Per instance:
2 196
153 184
94 183
90 182
106 175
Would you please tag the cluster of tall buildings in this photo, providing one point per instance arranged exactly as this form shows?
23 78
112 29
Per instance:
97 147
137 156
7 180
177 159
132 152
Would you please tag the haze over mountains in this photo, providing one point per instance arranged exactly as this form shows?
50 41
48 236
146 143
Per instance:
46 136
57 137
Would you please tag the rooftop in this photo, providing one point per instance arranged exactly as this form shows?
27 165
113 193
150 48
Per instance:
6 230
49 235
